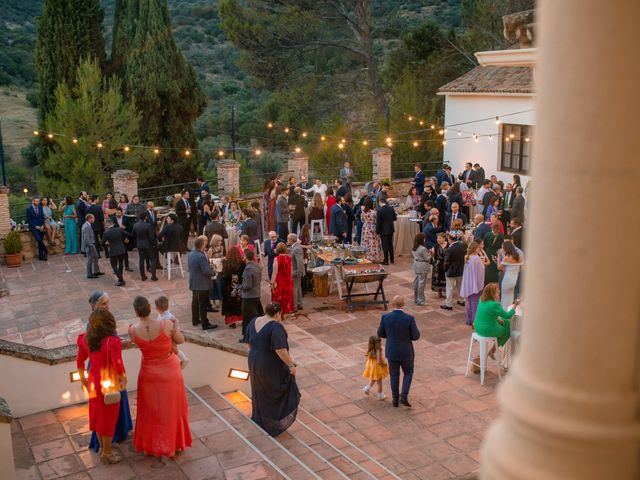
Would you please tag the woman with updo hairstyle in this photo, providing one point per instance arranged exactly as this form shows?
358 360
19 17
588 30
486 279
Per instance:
102 347
274 391
162 418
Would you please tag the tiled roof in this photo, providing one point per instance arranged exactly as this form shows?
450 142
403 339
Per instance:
492 79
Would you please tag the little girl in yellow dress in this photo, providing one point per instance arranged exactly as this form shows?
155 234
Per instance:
376 368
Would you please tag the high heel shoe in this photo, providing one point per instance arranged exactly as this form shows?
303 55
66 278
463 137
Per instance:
109 459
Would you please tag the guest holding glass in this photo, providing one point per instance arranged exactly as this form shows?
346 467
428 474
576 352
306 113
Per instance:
274 391
413 199
162 418
230 280
102 347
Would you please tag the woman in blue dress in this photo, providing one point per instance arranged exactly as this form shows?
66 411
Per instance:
70 226
274 391
100 299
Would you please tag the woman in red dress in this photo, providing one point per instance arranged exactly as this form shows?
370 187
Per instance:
162 420
329 202
282 284
104 350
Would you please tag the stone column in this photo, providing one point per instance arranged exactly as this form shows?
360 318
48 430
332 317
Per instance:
298 165
228 177
125 181
570 407
5 216
381 158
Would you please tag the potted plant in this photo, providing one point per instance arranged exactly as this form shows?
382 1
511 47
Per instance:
13 249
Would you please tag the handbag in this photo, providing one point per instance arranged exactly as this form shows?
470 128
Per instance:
110 391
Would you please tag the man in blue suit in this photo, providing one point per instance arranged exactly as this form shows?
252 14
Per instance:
270 245
35 220
430 232
400 330
200 283
338 226
418 180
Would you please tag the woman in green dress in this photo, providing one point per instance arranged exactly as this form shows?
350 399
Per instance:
491 320
70 227
492 243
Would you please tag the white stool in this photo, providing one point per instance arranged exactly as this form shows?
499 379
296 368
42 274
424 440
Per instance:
484 343
168 267
320 224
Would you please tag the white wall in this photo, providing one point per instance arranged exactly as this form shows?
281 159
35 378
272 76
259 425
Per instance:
464 108
32 387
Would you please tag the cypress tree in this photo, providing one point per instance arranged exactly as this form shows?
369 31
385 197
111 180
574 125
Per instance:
163 85
68 31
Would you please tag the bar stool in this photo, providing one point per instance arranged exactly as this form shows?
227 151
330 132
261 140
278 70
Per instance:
484 343
167 264
320 224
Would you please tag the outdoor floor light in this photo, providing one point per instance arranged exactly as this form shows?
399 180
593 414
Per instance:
75 376
238 374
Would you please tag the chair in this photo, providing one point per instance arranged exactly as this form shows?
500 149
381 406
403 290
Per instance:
167 264
259 251
484 343
320 224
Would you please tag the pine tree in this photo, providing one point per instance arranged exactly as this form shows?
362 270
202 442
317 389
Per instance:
164 86
93 112
67 32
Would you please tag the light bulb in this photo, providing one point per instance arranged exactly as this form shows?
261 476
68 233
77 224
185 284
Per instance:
441 132
258 151
527 139
304 134
365 143
506 139
410 118
36 133
341 146
298 150
433 127
421 122
221 153
156 151
323 138
512 135
415 144
269 125
74 141
490 137
187 152
50 136
99 145
444 142
388 140
459 132
497 120
126 148
286 130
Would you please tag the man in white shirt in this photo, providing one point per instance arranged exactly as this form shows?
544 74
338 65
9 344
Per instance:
486 187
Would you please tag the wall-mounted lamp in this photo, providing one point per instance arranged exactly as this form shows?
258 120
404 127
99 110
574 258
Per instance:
238 374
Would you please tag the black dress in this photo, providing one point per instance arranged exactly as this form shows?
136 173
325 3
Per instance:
231 277
274 391
438 280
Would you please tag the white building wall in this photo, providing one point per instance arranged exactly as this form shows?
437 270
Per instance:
462 108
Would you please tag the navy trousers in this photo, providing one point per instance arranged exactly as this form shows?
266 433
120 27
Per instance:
394 377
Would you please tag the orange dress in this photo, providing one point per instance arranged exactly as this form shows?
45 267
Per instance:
162 419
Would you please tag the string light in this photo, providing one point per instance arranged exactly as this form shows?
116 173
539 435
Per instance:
388 140
156 151
269 125
421 122
459 132
475 138
365 143
323 138
444 142
74 141
36 133
49 136
258 151
415 144
497 120
441 132
490 137
506 139
527 139
99 145
512 135
187 152
341 146
411 119
221 153
304 134
126 148
298 150
286 130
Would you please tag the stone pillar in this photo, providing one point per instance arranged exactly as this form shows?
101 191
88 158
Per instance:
298 165
381 158
569 408
228 177
5 216
125 181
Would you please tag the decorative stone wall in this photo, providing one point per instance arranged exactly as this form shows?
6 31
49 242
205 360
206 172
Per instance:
228 177
30 247
381 158
5 217
125 181
298 165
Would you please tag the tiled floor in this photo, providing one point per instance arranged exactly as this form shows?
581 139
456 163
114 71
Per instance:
438 438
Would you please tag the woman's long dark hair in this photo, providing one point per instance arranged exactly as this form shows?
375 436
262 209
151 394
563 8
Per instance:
510 249
368 204
101 325
418 240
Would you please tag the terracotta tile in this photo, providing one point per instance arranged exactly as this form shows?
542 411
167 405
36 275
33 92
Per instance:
204 468
60 467
198 450
120 471
460 464
37 420
252 471
29 473
53 449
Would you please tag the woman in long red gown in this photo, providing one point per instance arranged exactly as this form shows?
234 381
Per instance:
329 202
282 282
104 350
162 420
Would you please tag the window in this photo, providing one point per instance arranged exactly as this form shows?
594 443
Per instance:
516 148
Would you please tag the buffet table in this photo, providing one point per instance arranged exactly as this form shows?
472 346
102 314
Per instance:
365 273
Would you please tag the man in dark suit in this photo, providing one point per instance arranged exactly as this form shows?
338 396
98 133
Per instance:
250 226
400 330
214 227
146 242
203 185
338 226
115 239
95 209
448 176
442 204
517 233
305 185
468 175
270 245
298 203
453 267
81 208
507 203
479 177
431 231
184 212
385 227
453 215
419 178
35 220
125 223
200 284
482 227
152 216
517 208
171 235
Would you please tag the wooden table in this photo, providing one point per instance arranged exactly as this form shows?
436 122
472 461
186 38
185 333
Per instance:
357 274
327 256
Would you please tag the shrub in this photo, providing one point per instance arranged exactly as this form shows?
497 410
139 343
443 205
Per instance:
12 243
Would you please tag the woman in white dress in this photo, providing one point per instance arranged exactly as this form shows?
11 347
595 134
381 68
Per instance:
509 261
